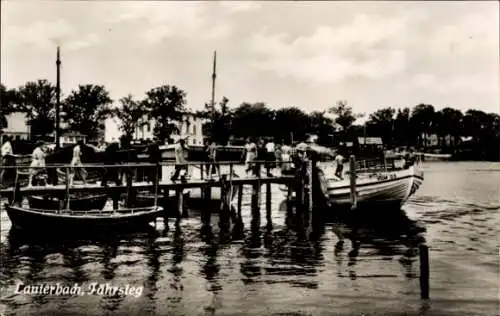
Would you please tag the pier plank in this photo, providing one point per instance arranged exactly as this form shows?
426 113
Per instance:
168 185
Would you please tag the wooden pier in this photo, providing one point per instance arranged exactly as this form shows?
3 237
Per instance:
163 188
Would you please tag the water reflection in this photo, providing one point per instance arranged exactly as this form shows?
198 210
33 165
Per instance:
270 257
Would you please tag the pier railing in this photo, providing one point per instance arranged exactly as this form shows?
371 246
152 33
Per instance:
122 173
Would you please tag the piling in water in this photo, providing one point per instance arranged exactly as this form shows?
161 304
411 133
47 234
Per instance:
352 178
255 205
268 203
224 215
424 271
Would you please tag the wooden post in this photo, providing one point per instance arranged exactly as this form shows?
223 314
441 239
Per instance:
130 189
309 197
240 198
352 178
67 188
268 203
255 205
183 212
224 215
300 205
16 197
166 198
424 271
206 212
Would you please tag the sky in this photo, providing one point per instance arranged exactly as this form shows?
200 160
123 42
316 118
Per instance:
303 54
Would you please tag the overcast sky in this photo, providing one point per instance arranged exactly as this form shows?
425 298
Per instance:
304 54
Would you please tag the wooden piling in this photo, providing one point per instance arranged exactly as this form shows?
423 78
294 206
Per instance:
206 212
299 208
181 210
166 198
309 198
240 198
352 182
224 215
424 271
255 205
268 203
67 187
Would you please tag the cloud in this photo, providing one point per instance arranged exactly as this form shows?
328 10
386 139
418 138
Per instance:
332 54
468 36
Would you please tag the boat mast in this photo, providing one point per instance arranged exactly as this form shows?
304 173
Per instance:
213 87
58 97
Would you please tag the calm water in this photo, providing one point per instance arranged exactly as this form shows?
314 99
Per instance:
267 273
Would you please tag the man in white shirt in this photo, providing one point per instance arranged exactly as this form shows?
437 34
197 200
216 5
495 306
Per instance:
37 162
6 147
6 151
339 160
180 160
76 164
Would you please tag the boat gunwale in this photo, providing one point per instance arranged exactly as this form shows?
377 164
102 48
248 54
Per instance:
112 214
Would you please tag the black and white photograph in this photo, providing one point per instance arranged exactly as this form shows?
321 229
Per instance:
249 158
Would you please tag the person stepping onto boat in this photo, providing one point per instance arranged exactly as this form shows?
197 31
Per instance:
339 160
180 160
37 162
212 160
76 164
250 154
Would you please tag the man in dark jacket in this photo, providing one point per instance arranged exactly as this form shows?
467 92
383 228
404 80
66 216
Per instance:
111 158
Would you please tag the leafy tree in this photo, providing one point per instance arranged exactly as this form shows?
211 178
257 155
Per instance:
402 128
252 120
38 100
220 121
344 114
86 108
165 104
422 118
129 114
8 104
448 122
382 123
322 126
287 121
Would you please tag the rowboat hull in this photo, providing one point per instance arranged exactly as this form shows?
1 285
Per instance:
196 199
387 189
193 199
76 221
84 203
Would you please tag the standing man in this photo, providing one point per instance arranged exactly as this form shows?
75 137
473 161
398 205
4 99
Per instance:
339 160
37 162
271 156
154 158
76 164
7 158
180 160
261 156
250 155
212 160
111 158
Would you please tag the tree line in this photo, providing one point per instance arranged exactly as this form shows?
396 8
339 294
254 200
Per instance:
88 104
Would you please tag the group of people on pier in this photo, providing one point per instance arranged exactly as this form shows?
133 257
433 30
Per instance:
257 153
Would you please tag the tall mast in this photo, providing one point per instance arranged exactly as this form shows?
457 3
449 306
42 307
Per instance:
213 85
58 97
